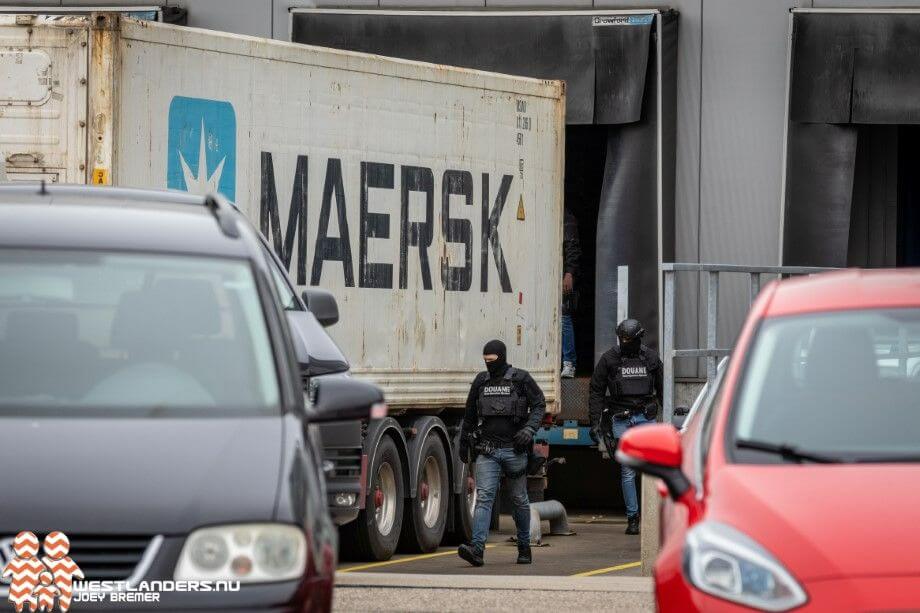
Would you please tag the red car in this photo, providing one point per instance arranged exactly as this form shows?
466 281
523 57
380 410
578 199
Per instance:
796 482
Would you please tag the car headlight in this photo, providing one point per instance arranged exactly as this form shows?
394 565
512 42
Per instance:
726 563
248 553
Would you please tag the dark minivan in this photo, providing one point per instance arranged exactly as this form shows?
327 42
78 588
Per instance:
151 404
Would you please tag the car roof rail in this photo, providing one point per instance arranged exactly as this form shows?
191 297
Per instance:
223 213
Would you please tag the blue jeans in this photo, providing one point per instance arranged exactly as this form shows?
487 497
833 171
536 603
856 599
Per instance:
627 474
488 470
568 340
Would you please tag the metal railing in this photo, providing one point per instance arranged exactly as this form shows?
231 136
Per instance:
710 351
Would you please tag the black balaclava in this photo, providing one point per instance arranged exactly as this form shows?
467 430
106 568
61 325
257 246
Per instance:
499 366
630 347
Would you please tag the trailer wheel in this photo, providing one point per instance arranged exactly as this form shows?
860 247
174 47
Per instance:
375 534
426 517
464 503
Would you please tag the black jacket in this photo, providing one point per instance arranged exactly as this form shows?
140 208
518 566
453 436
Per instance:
571 253
536 402
603 379
571 248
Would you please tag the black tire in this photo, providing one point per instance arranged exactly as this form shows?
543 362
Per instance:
419 535
463 517
362 539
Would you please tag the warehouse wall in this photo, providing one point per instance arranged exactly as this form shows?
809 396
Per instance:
731 101
731 105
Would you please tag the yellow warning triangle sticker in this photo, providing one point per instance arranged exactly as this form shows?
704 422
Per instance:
520 211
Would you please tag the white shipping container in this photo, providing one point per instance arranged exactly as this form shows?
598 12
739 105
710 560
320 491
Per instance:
428 199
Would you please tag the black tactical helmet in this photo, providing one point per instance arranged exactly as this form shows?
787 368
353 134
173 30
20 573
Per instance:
630 330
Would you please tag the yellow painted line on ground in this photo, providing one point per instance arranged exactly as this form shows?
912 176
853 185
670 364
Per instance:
424 556
609 569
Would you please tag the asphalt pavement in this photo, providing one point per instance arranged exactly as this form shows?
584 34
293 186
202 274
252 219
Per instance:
598 547
412 592
595 569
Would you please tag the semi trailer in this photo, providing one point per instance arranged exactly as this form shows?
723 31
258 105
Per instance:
427 199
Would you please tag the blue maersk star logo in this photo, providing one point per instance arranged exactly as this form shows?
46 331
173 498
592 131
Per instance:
201 183
202 146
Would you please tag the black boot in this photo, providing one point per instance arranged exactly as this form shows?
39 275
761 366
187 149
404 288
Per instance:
471 554
524 556
632 524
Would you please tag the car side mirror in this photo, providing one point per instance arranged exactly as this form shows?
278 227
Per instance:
655 450
680 416
308 335
322 304
345 399
297 321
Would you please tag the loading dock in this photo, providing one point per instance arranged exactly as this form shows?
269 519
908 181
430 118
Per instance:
620 74
620 69
852 194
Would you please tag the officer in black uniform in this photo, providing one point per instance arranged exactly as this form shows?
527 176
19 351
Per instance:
633 375
503 411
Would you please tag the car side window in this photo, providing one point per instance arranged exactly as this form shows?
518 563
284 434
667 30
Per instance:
288 298
707 415
708 420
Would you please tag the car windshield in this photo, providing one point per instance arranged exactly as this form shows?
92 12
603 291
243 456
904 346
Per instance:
82 331
837 386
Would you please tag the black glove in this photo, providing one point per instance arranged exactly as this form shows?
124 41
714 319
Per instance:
464 450
523 438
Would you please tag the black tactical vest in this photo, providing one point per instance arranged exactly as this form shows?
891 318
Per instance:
632 377
502 399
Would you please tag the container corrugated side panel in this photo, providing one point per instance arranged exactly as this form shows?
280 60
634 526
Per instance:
351 125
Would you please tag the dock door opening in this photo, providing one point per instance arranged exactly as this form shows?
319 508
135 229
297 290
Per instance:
853 141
